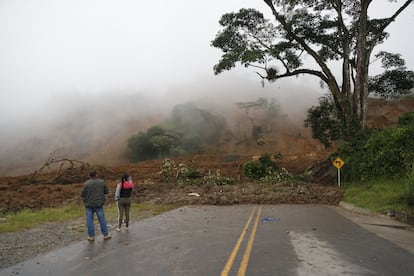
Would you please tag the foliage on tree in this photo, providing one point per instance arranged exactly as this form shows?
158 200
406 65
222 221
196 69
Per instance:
395 80
197 126
323 121
157 142
187 131
325 31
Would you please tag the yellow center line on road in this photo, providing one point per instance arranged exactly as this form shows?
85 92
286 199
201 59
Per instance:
233 254
249 246
248 250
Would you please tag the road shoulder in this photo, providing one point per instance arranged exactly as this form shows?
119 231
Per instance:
397 232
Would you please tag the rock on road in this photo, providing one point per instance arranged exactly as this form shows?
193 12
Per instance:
235 240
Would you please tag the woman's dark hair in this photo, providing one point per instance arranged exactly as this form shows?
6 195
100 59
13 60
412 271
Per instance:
124 178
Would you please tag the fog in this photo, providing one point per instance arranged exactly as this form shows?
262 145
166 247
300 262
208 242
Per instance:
83 70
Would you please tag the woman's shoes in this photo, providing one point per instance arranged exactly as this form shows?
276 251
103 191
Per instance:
117 229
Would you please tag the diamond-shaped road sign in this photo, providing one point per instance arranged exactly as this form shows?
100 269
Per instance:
338 163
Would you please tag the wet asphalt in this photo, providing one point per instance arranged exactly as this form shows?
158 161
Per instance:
239 240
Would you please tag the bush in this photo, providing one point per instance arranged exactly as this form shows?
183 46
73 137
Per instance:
260 168
380 153
277 177
352 152
253 170
388 153
406 120
168 170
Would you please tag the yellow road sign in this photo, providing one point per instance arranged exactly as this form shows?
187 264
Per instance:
338 163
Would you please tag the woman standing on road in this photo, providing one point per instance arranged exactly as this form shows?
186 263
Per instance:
123 195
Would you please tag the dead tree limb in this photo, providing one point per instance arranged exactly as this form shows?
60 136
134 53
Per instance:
53 160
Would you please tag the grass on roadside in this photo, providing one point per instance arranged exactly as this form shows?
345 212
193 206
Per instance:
28 218
378 195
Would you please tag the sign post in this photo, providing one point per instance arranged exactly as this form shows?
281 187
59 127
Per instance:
338 163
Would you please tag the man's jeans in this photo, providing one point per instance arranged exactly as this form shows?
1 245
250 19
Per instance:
90 218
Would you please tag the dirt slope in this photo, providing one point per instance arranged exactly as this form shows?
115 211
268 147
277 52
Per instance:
17 192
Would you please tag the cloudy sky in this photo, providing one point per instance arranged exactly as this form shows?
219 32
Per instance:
55 47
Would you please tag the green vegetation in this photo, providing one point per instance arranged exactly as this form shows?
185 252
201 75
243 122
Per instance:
323 121
157 142
379 153
380 165
281 175
187 131
188 175
409 188
259 168
406 119
266 170
380 195
379 162
27 218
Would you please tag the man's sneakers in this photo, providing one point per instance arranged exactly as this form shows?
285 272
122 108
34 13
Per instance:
107 237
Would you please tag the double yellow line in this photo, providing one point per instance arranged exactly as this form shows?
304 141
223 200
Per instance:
247 251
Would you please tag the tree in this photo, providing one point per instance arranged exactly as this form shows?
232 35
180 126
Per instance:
198 126
187 131
395 81
157 142
325 30
270 108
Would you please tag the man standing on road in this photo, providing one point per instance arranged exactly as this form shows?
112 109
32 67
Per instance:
93 194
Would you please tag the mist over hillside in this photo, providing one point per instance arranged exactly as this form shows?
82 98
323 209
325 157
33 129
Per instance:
95 127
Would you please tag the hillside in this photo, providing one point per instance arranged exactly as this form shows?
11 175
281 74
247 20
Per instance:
77 140
299 152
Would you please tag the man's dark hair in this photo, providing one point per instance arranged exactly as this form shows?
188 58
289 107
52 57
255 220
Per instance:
92 173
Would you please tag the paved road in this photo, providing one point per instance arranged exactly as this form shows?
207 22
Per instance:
234 240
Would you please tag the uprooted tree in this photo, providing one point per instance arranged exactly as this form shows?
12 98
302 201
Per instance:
327 31
63 164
